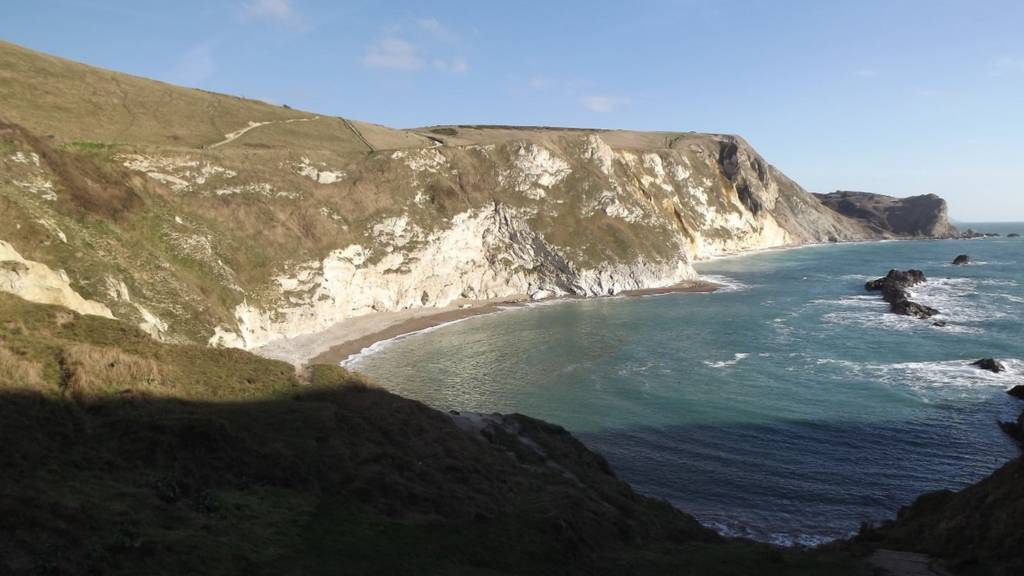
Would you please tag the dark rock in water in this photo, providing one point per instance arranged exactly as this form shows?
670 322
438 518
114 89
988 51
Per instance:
1017 391
990 364
1015 429
1013 235
908 308
962 260
905 279
971 234
940 324
894 291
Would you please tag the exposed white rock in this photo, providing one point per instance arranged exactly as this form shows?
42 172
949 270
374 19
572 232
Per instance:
333 215
52 228
610 204
317 171
652 163
397 231
172 182
681 173
117 290
534 169
38 184
261 188
22 158
151 323
424 160
599 151
179 173
37 282
483 254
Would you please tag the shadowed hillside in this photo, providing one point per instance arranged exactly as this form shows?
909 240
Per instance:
125 456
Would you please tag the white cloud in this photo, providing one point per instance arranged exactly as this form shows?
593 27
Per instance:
541 82
602 104
279 11
195 66
457 65
438 31
393 53
413 45
1007 65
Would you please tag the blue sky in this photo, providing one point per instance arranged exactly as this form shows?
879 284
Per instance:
899 97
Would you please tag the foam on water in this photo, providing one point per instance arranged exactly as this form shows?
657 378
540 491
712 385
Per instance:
783 539
379 346
943 375
736 359
727 284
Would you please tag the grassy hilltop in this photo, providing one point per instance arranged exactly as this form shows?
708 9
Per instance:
181 205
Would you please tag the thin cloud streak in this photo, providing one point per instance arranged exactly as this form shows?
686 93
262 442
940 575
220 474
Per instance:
394 54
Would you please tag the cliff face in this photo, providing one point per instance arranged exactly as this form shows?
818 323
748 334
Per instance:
208 218
539 213
916 216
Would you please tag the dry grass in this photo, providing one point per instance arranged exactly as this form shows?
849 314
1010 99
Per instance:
91 371
97 188
50 95
18 372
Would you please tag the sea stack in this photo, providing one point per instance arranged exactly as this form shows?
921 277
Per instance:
894 291
962 260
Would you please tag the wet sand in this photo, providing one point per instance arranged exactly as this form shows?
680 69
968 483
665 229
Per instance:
353 335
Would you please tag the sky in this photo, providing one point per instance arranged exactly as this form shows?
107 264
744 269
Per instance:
897 97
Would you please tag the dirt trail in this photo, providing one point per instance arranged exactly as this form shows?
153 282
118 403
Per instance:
905 564
232 136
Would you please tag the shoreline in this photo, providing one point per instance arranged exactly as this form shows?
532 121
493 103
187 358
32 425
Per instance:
362 335
359 335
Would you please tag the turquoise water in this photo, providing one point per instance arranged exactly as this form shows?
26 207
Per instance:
789 407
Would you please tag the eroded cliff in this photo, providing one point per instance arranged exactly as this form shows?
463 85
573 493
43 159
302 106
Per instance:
208 218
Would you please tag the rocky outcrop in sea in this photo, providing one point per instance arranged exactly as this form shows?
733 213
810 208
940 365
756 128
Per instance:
894 288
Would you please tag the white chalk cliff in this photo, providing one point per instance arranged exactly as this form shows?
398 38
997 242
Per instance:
37 282
668 206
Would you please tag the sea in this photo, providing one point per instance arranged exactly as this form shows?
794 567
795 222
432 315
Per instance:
789 407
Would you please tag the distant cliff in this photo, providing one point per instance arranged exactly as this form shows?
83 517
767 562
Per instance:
916 216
